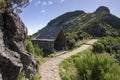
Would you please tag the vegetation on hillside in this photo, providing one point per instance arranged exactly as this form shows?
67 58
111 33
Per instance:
33 49
97 63
37 52
75 37
89 66
107 44
99 23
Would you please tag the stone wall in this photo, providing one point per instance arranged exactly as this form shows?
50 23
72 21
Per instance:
46 45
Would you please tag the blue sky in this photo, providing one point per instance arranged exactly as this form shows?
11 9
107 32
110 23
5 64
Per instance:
39 12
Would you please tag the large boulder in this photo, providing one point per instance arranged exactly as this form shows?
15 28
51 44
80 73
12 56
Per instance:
13 56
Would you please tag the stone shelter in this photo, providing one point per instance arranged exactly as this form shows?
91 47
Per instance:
51 39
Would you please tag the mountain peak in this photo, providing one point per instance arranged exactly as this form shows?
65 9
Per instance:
99 23
102 9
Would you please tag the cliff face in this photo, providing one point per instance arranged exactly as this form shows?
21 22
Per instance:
13 56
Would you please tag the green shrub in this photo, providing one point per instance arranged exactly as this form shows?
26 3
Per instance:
29 46
34 49
98 47
108 49
22 76
71 44
29 37
71 36
111 44
82 35
65 77
68 70
38 51
89 66
74 37
98 67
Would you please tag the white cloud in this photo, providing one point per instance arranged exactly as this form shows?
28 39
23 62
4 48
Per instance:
30 1
44 3
50 2
38 3
61 1
42 11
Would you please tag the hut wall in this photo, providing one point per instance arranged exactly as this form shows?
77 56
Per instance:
46 45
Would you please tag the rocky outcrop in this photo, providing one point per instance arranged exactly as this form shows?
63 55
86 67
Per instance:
13 56
102 9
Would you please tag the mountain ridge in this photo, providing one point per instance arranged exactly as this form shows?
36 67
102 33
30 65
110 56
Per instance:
99 23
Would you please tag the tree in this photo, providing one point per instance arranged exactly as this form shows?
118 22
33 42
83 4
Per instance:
11 5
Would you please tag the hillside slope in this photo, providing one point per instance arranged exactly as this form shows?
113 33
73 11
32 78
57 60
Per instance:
99 23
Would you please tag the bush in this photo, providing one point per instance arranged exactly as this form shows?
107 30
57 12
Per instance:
71 44
65 77
68 70
98 67
30 37
34 49
22 76
94 66
38 51
71 36
111 44
29 46
98 47
89 66
82 35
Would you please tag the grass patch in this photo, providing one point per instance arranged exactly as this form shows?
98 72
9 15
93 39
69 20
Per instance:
37 76
88 66
67 68
81 42
40 61
22 76
57 54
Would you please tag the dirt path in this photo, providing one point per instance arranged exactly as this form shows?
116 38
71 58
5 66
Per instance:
50 69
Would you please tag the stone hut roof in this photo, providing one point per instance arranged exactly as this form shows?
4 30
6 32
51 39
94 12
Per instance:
48 33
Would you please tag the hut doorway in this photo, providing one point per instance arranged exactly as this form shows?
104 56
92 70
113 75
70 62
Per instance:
59 43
